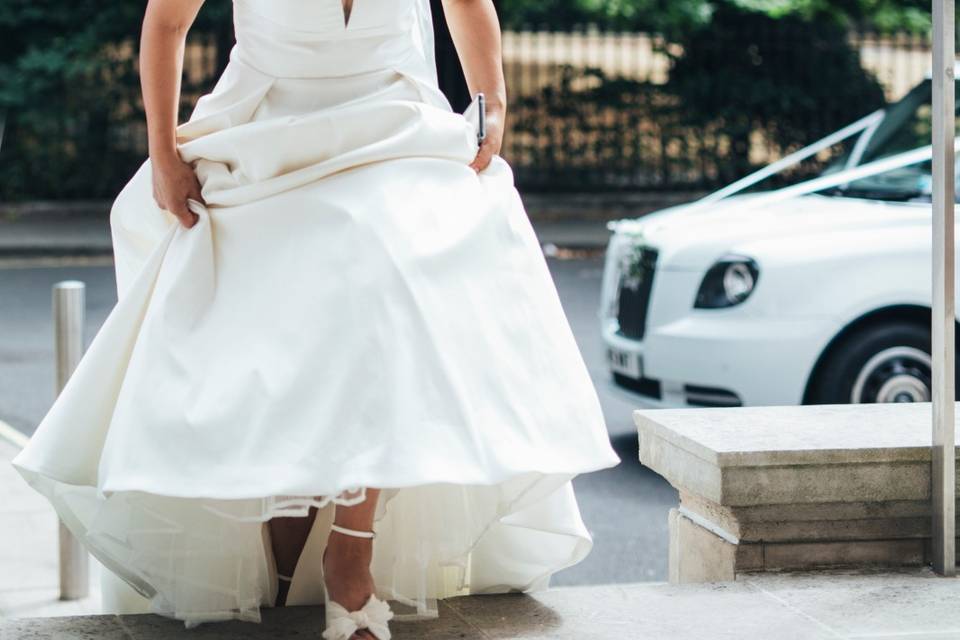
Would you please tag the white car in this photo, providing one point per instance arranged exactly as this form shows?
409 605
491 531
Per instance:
814 293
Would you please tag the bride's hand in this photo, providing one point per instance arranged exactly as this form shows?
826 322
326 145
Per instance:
494 138
174 181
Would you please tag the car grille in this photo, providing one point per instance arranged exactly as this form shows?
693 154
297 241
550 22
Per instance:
633 293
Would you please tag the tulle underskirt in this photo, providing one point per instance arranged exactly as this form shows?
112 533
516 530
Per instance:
204 559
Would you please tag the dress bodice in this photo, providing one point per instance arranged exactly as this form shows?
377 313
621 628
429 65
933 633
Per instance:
325 18
308 38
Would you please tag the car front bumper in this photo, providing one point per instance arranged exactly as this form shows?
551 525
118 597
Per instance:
717 358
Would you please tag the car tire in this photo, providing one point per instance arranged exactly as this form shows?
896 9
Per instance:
887 362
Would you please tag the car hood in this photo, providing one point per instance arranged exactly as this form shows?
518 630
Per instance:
693 236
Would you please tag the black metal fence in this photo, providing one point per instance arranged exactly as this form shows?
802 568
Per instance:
590 110
603 111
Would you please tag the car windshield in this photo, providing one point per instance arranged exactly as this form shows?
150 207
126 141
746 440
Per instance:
906 125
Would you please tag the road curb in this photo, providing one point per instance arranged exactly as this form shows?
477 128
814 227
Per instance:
54 251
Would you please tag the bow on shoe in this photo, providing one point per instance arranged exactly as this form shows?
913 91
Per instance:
342 624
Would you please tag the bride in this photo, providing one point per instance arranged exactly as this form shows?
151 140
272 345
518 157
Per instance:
338 369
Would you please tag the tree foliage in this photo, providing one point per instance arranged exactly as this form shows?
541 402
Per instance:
67 78
791 80
748 82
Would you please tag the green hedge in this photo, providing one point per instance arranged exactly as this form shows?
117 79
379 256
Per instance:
70 94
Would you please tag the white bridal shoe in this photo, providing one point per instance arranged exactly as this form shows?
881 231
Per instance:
372 616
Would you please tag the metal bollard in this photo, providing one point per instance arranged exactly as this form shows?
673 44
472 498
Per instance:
68 318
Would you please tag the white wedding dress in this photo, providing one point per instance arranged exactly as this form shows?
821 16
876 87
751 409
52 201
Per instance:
356 307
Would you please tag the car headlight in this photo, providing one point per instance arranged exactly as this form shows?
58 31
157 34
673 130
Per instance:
728 282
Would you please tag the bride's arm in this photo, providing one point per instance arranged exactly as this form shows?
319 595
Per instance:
162 40
476 34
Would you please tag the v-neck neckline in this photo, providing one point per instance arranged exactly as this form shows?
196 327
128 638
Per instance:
347 17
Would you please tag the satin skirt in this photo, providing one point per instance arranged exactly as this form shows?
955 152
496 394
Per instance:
356 307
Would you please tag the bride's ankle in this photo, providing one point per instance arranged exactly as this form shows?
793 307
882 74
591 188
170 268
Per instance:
344 546
346 567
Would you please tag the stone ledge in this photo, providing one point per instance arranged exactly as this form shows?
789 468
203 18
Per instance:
772 488
787 455
792 435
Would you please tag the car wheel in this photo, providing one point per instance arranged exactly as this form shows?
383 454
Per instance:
882 363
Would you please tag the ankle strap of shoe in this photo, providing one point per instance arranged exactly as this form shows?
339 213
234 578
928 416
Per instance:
353 532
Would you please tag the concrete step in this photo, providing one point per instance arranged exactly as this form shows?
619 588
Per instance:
891 605
793 488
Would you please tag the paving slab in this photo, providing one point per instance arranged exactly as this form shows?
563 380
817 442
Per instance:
29 551
717 611
790 606
883 604
64 628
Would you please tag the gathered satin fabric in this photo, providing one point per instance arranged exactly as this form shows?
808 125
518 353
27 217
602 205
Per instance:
355 307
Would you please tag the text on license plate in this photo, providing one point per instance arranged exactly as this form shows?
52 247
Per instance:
625 362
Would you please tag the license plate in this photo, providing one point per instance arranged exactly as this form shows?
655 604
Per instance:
625 362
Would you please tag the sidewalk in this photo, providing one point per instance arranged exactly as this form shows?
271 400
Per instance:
54 232
29 549
80 232
907 606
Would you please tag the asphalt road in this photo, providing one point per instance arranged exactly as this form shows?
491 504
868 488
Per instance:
624 507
